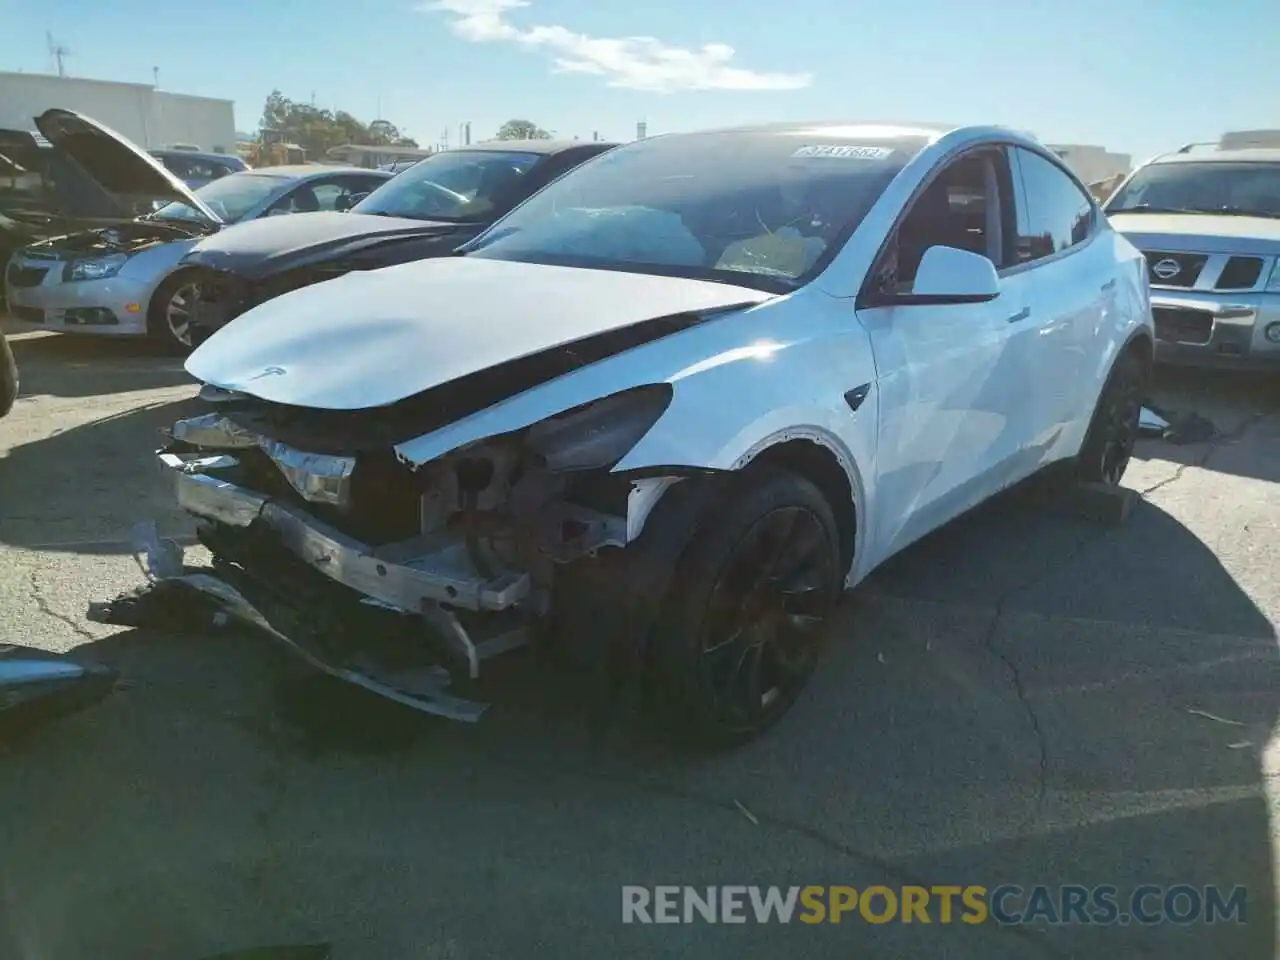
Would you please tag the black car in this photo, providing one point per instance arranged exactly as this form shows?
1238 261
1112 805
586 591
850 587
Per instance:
426 211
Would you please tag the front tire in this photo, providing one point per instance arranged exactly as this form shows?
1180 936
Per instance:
1113 431
740 630
172 309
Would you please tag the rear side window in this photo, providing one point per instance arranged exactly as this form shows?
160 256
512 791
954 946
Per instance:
1054 215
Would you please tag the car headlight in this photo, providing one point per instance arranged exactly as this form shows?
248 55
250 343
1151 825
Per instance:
600 433
95 268
1273 282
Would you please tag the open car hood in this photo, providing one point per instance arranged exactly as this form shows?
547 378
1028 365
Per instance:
47 187
119 165
259 248
369 339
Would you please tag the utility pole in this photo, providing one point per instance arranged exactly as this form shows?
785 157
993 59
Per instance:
57 53
155 77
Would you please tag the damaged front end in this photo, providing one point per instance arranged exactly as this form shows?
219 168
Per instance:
396 576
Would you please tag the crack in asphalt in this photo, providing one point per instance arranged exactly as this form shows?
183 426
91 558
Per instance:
658 788
1011 666
43 605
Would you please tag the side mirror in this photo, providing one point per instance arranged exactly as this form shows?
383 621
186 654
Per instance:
343 203
948 275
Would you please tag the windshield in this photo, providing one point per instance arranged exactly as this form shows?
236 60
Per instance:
1247 188
458 185
755 208
231 198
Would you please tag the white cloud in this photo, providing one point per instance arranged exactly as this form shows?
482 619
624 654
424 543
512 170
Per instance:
636 63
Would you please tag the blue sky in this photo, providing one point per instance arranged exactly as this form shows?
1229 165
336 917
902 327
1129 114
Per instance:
1137 77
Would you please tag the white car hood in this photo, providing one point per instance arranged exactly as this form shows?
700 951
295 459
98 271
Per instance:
368 339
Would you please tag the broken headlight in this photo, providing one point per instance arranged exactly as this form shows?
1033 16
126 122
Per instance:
599 434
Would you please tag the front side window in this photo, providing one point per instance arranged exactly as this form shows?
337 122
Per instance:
1246 188
229 197
1055 214
459 185
958 208
752 207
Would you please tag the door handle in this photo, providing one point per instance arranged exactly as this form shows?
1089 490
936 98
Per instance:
1020 315
1109 285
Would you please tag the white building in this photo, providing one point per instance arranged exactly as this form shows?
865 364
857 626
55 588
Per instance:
149 117
1249 139
1091 163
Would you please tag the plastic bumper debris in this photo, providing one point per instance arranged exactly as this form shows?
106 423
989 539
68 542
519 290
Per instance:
1151 424
203 599
35 685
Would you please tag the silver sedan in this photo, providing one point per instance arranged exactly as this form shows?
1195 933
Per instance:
123 280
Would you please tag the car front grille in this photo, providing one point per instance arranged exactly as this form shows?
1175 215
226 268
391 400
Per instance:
1183 324
1161 272
1239 273
20 276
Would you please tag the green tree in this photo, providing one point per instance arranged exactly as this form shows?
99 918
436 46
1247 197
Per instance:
317 129
522 130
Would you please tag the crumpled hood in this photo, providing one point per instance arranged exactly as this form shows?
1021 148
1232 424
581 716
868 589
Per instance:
1199 233
368 339
259 248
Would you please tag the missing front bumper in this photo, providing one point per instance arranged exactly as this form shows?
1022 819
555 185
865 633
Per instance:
402 620
414 575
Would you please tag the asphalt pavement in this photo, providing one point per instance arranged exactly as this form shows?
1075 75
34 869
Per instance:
1026 697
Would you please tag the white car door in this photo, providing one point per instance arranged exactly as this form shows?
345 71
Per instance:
953 379
1073 279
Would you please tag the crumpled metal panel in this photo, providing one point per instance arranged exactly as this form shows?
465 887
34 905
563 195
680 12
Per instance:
319 478
214 430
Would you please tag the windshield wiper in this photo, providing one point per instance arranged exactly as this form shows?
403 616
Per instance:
484 240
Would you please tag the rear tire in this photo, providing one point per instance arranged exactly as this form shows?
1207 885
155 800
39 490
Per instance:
170 314
741 627
1113 431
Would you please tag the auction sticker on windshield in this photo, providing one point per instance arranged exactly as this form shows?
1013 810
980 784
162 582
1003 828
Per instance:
843 151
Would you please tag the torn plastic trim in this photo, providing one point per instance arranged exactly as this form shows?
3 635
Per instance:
1151 424
318 477
409 574
430 698
29 677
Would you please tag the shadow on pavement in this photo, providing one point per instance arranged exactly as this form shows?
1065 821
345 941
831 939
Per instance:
86 486
1150 571
60 365
972 724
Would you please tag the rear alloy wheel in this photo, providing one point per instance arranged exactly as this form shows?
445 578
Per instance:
742 630
172 311
1108 446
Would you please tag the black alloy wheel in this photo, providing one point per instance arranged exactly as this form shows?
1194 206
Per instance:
1113 432
753 594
